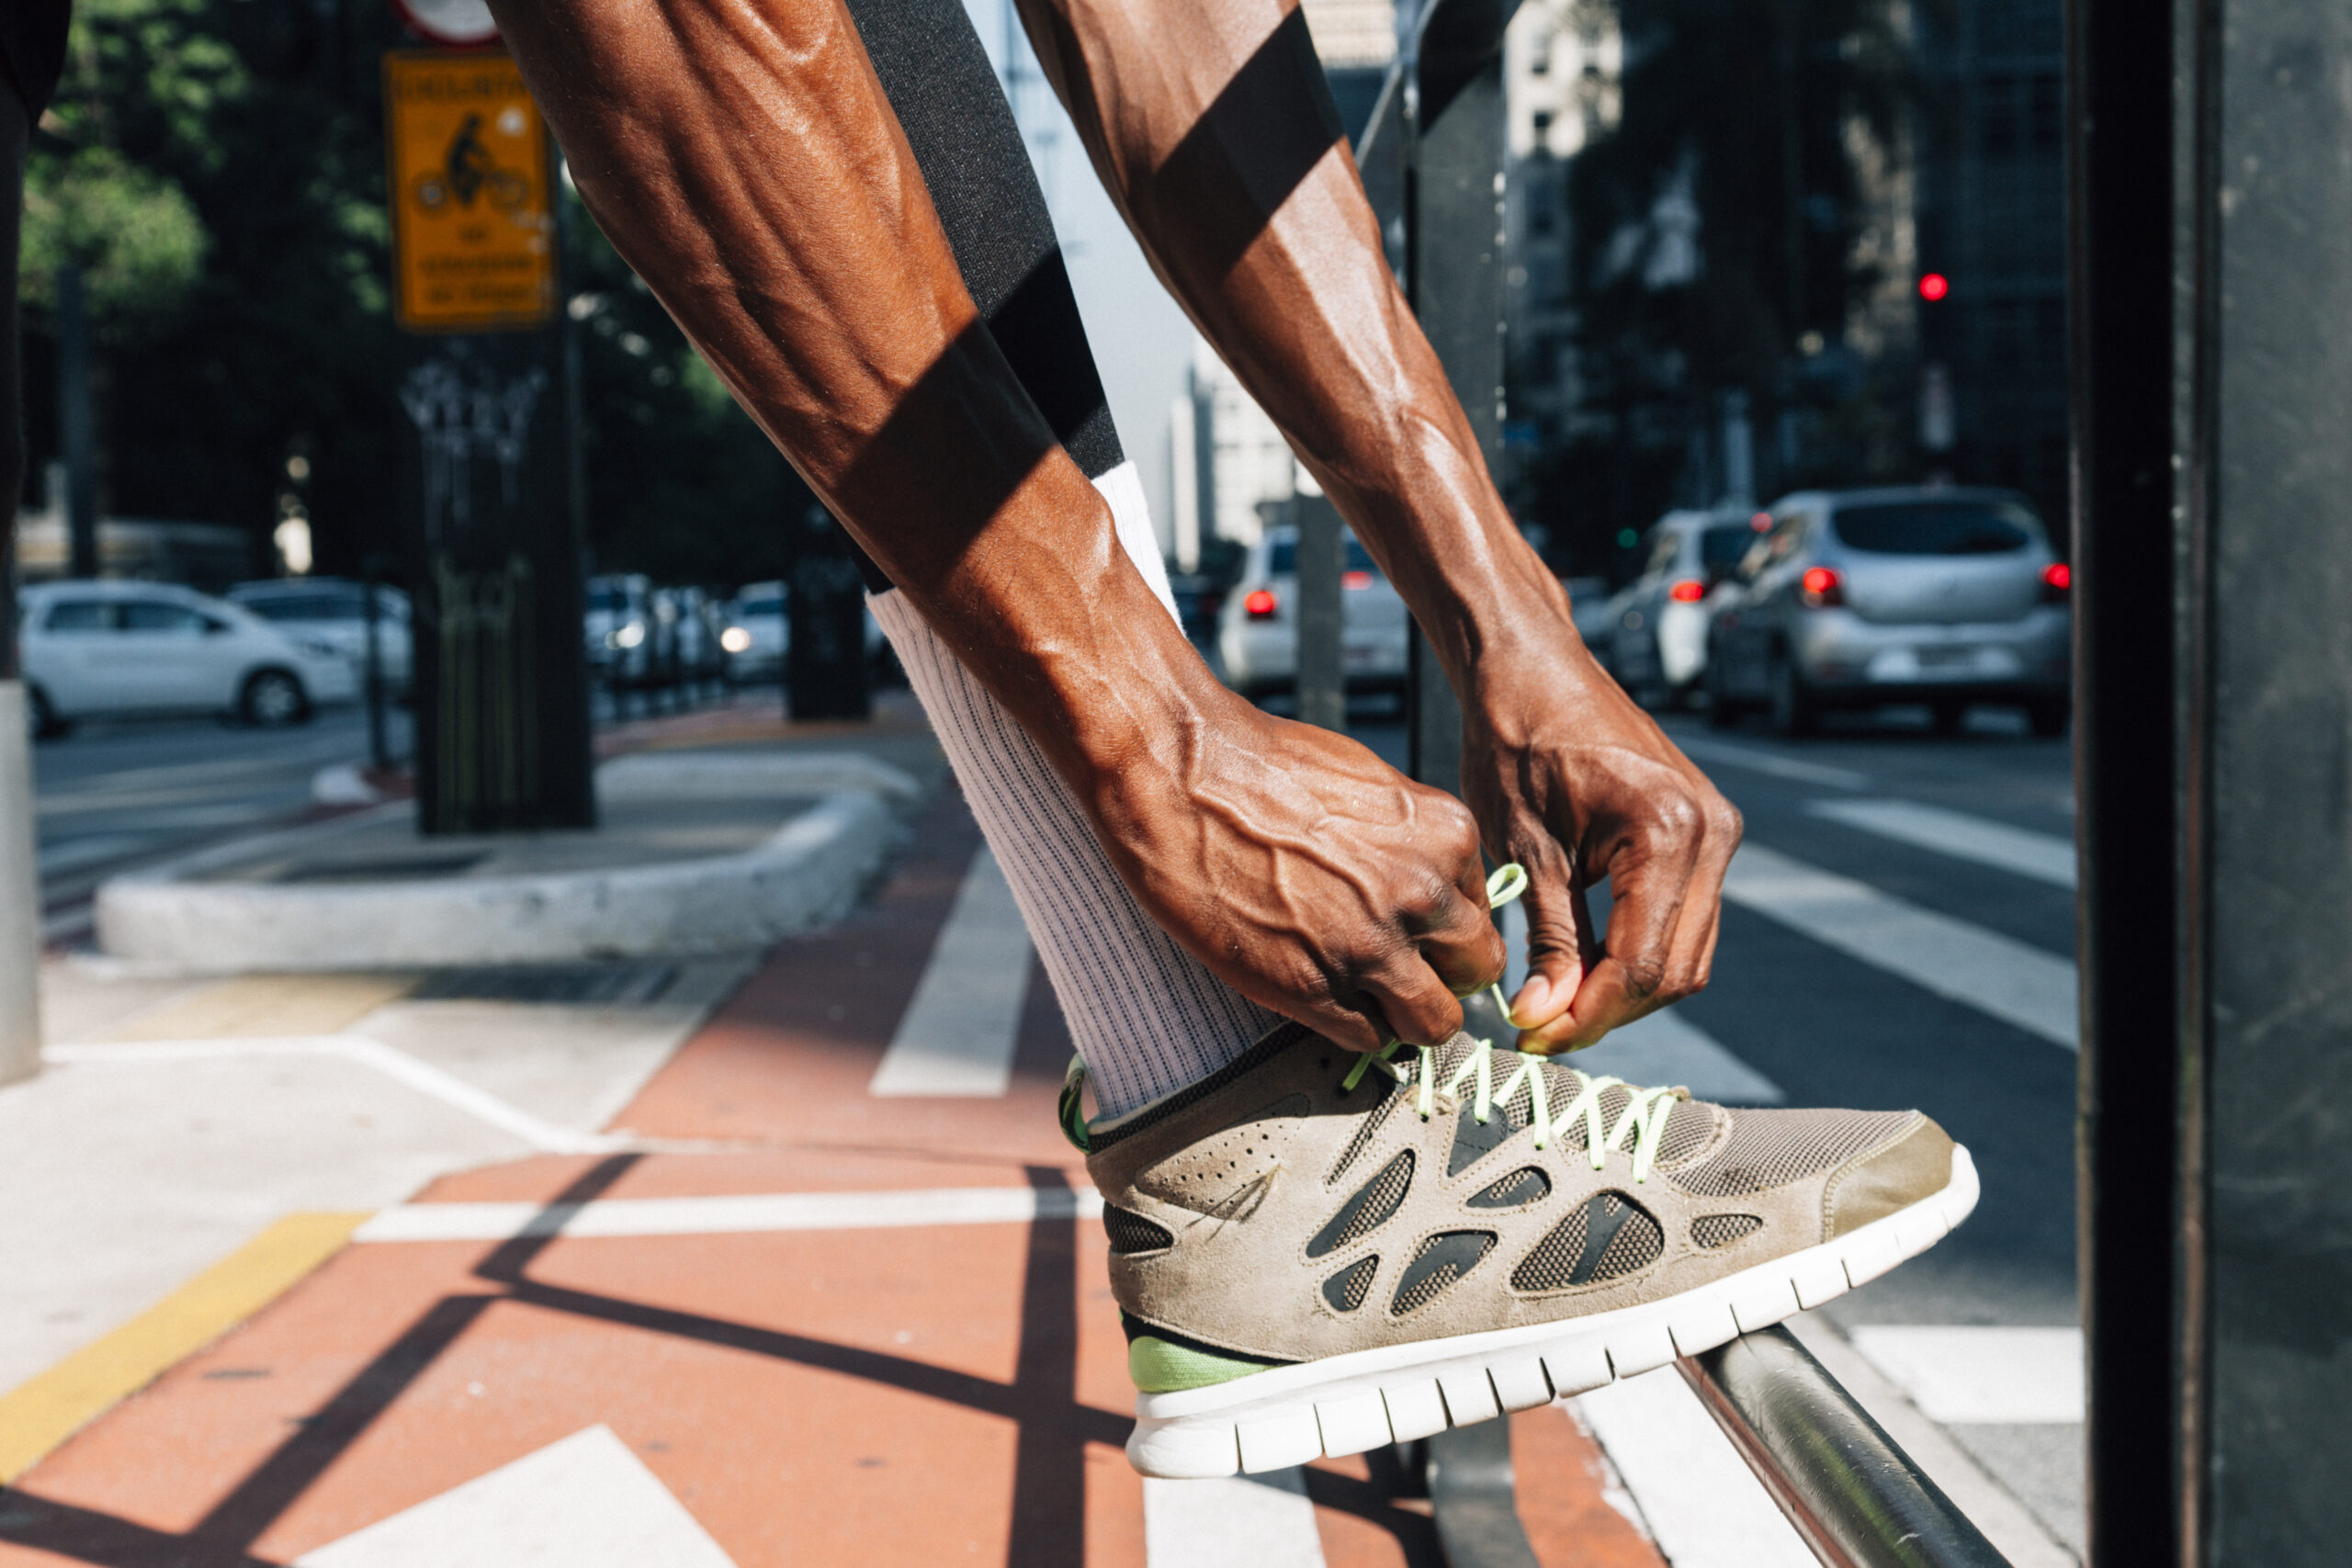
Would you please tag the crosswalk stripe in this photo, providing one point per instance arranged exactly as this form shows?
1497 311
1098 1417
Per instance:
1263 1520
2043 857
2000 1374
1667 1048
1771 763
956 1039
2018 985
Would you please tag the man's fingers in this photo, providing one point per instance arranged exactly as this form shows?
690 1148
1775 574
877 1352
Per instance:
1467 955
1608 998
1419 1006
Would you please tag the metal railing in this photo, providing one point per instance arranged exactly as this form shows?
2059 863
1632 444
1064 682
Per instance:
1432 160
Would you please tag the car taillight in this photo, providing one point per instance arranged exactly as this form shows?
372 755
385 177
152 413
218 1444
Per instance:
1689 591
1260 605
2056 579
1821 586
1355 580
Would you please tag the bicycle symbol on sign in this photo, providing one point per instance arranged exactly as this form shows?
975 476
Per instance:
470 170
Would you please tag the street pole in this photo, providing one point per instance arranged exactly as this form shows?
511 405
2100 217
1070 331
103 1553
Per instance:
77 423
20 922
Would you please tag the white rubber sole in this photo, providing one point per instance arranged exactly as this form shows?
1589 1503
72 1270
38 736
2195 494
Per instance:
1345 1404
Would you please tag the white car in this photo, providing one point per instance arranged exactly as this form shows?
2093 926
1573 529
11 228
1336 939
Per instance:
103 649
758 634
1653 633
335 610
1258 629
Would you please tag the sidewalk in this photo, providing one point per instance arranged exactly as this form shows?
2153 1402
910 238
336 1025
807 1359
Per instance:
785 1320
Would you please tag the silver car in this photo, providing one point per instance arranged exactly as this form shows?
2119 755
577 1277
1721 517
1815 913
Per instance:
335 610
1258 629
1654 633
1860 599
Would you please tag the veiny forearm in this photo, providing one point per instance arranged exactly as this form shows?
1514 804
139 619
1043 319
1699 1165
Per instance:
744 161
1292 287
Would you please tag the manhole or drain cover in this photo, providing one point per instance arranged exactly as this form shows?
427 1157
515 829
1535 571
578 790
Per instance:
591 984
405 868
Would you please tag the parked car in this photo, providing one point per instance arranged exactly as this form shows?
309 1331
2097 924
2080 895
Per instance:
759 635
1861 599
335 610
1654 629
619 629
109 649
1257 626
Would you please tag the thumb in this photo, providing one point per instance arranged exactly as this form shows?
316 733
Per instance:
1559 946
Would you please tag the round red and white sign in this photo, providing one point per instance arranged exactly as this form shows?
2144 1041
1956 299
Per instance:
455 22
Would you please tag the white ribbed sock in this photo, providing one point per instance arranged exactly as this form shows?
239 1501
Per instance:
1148 1018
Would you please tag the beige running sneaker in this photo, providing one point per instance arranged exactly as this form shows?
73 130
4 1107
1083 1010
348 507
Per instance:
1318 1252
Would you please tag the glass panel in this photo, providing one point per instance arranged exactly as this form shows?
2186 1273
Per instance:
1937 528
80 616
158 615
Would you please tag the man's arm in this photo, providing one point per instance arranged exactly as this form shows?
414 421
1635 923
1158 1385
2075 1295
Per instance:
741 157
1204 123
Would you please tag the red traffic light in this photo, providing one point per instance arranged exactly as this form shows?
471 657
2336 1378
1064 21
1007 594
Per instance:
1934 286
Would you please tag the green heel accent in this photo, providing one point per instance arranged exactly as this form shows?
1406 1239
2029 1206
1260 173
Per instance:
1157 1367
1071 1113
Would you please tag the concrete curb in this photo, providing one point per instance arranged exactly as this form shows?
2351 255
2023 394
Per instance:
807 874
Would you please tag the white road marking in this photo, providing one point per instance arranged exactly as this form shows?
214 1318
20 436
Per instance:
96 850
1702 1503
2017 984
1667 1048
2043 857
956 1037
1997 1375
586 1502
1263 1520
422 1076
1755 761
736 1214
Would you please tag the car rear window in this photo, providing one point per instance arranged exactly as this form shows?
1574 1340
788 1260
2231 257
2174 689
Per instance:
1283 559
1935 528
1720 549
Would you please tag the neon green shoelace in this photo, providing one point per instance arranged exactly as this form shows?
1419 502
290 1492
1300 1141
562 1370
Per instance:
1643 1118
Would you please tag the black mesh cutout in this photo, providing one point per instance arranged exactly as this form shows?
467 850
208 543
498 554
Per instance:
1132 1233
1385 1100
1609 1235
1439 1262
1521 1187
1473 1140
1368 1209
1711 1231
1347 1289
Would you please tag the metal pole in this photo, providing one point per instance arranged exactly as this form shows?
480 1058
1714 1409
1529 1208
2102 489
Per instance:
77 423
379 756
1319 561
2133 241
20 916
1854 1496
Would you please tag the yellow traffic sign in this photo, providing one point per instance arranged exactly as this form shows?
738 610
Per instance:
473 229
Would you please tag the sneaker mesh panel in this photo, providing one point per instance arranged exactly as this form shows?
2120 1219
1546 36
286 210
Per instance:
1347 1289
1368 1209
1608 1235
1521 1188
1772 1148
1711 1231
1368 1127
1687 1132
1133 1233
1437 1264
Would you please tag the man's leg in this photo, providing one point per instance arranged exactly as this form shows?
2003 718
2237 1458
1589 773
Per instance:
1148 1018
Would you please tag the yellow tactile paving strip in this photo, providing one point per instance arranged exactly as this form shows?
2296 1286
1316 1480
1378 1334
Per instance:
37 1416
268 1006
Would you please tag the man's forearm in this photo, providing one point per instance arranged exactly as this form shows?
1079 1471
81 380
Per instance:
744 162
1186 111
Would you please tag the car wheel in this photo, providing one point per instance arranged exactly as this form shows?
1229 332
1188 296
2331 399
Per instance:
1794 712
1950 716
273 699
2047 719
41 719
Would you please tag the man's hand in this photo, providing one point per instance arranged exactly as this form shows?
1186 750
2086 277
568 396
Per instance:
1306 873
1572 779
